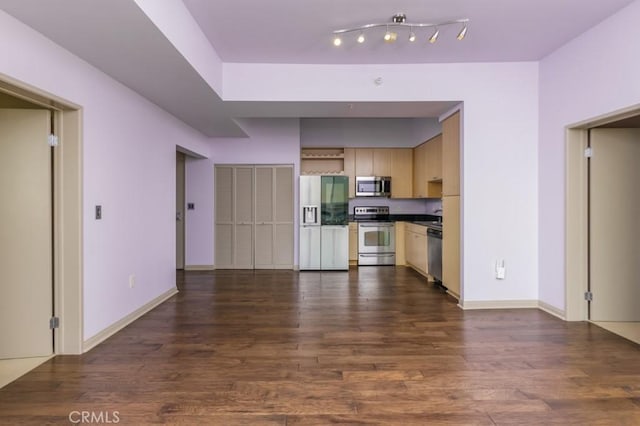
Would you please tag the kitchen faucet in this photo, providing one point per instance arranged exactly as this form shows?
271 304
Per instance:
439 209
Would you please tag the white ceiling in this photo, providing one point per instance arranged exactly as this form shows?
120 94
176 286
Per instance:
295 31
118 38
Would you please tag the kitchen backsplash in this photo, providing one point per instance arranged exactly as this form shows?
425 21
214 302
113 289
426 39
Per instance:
400 206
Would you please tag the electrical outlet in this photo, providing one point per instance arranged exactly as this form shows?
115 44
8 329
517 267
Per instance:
132 281
501 271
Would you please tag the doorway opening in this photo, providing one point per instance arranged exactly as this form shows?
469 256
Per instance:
62 206
180 209
601 230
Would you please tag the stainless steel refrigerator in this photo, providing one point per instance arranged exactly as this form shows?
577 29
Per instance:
324 223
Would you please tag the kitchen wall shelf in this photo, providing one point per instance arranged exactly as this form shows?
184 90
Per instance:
322 161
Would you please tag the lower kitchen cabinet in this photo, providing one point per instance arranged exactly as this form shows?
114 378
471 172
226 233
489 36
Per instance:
416 247
451 244
400 253
353 243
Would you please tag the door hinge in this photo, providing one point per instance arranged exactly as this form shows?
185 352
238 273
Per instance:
588 296
54 322
52 140
588 152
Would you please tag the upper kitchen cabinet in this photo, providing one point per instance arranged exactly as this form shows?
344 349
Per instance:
401 172
364 162
427 169
434 159
394 162
382 161
350 169
419 171
451 155
322 161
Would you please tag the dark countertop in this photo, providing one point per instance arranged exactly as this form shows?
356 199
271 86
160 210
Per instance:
406 218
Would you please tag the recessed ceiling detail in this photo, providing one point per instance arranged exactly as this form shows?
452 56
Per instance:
412 30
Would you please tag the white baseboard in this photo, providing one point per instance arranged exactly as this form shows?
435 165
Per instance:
498 304
199 267
552 310
94 341
513 304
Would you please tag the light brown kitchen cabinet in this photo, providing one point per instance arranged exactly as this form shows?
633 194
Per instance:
350 169
451 155
382 161
451 244
416 247
364 162
401 172
434 159
400 244
353 243
427 169
419 170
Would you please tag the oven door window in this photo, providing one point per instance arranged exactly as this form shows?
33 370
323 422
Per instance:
377 238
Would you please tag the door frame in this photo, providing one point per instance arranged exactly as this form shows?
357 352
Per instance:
67 212
577 209
181 193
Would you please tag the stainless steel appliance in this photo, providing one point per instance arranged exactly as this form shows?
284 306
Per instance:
373 186
324 223
434 251
376 236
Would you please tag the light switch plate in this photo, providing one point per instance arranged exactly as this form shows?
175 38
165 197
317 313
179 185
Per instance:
98 212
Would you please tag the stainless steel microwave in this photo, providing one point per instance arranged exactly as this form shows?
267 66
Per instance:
373 186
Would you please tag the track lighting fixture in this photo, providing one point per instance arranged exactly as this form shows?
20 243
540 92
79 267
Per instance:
399 21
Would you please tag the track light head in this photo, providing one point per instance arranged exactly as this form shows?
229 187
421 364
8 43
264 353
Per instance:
390 36
462 34
412 36
337 41
434 36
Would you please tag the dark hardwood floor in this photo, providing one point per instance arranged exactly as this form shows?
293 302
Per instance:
374 346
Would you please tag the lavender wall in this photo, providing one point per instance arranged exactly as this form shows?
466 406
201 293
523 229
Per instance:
499 159
270 141
129 150
595 74
367 132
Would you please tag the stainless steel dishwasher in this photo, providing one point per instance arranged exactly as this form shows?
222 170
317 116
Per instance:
434 252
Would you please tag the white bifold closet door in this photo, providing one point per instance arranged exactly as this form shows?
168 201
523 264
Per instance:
254 217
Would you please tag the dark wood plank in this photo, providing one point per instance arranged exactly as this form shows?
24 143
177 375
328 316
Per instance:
372 346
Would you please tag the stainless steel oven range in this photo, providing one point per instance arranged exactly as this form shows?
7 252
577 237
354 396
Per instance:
376 236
